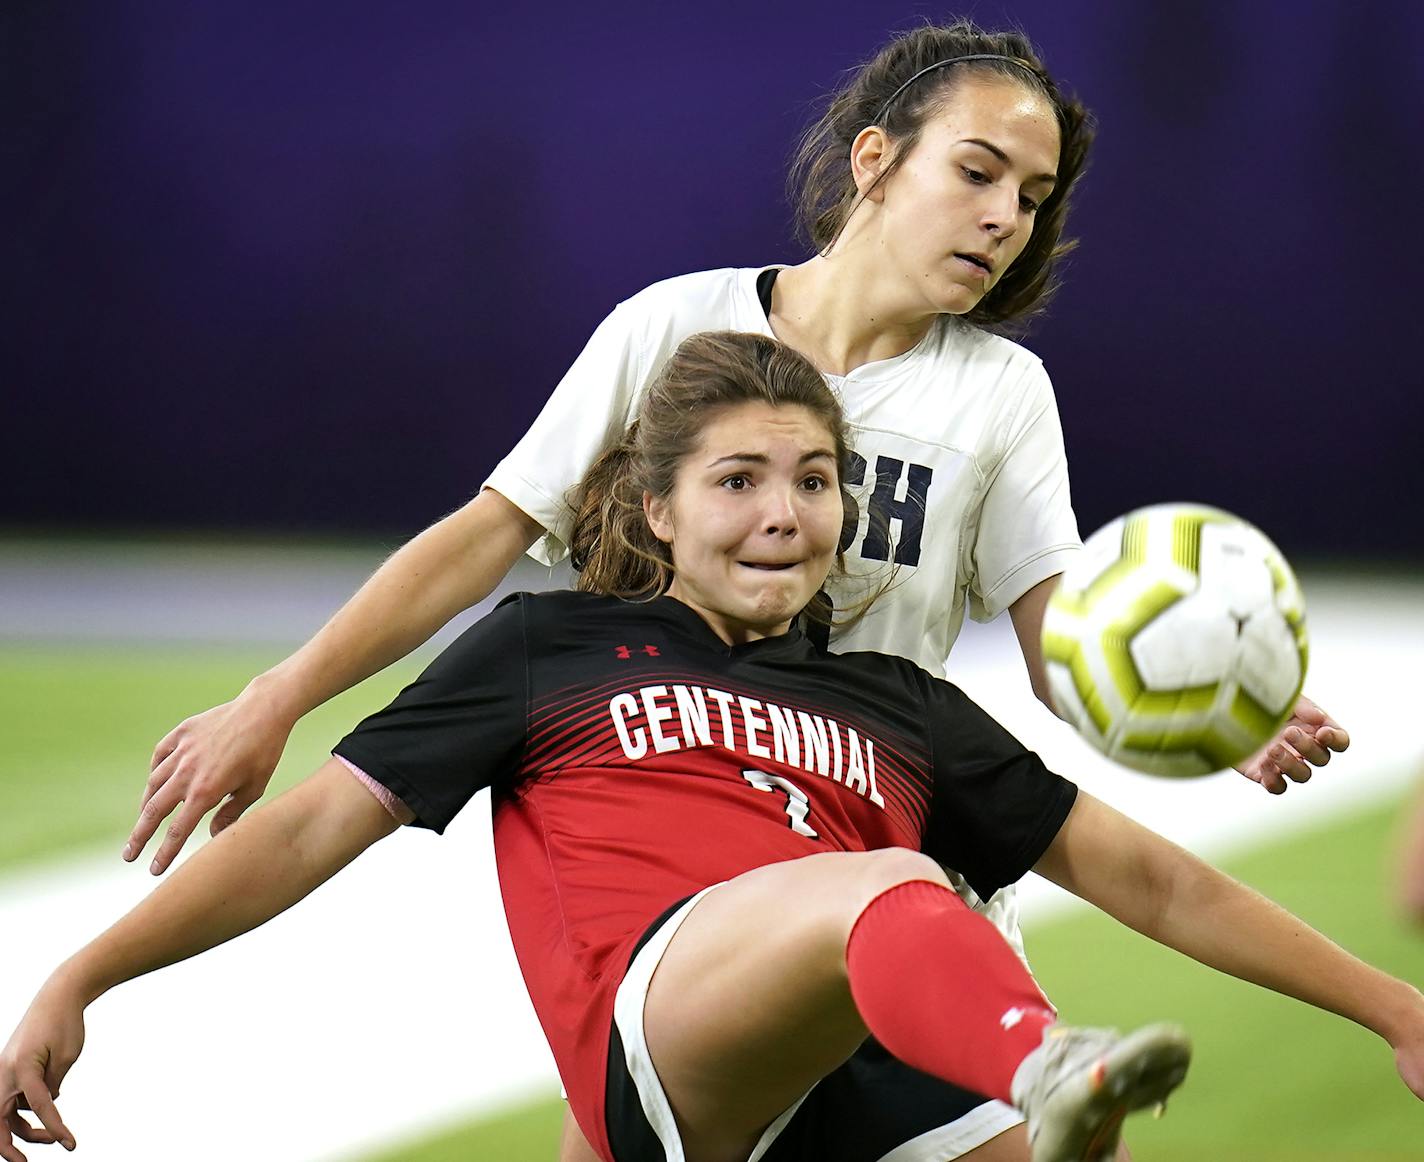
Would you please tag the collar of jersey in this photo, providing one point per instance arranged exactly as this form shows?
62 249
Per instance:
694 629
754 319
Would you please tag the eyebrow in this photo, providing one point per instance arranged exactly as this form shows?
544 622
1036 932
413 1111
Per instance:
1004 157
759 458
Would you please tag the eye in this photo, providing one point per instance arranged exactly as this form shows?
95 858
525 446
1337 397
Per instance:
737 482
815 483
975 176
1028 205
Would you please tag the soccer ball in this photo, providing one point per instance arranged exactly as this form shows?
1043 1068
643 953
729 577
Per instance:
1175 643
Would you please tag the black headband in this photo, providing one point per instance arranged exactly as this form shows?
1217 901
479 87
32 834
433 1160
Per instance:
954 60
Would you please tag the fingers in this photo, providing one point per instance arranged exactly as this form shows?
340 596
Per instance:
1274 765
1262 770
1306 746
1306 742
38 1099
162 792
8 1150
1308 712
28 1133
12 1125
179 830
166 746
231 811
1327 732
1333 735
1288 761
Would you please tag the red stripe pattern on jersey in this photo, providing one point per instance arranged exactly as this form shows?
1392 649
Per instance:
641 720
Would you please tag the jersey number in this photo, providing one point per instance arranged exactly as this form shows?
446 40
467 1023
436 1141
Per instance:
797 805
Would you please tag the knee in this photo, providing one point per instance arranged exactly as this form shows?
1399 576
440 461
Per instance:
877 872
833 889
892 866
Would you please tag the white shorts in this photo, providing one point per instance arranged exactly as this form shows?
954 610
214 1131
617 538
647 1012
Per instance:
873 1108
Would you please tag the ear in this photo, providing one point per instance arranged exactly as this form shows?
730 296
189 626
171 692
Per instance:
658 512
870 153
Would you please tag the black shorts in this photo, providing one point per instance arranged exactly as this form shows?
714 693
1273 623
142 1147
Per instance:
874 1108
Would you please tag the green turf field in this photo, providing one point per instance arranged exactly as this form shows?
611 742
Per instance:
1272 1082
79 725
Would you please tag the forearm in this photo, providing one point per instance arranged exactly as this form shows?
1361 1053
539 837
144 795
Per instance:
449 567
1027 616
251 872
1171 896
1192 907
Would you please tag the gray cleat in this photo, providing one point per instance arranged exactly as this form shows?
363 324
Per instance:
1076 1087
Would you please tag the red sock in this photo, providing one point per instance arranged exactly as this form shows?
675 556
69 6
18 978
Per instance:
941 989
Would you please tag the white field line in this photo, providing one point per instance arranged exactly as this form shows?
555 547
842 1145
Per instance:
389 1004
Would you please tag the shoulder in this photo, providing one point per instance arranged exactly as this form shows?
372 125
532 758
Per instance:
982 353
872 666
875 667
987 386
702 300
568 613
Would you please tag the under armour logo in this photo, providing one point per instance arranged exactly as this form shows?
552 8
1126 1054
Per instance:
625 653
1012 1017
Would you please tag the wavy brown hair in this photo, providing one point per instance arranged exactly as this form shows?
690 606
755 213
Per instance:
612 547
823 190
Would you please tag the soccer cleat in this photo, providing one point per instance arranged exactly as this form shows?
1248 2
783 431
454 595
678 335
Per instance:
1079 1084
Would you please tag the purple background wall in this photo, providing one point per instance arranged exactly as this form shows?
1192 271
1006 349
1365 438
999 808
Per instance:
315 266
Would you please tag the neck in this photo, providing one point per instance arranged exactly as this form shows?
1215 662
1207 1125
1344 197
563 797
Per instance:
731 631
844 310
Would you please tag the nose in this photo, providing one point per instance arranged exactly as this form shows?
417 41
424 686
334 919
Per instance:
1001 214
779 516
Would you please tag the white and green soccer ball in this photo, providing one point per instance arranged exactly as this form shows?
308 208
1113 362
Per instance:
1176 643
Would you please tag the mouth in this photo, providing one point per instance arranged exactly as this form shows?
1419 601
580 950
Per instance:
977 262
769 567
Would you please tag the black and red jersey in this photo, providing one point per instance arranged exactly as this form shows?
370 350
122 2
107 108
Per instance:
636 758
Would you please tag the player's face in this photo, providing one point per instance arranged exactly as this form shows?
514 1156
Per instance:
961 208
753 519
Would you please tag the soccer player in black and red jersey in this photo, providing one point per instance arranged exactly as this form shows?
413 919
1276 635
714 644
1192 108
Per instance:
934 190
721 847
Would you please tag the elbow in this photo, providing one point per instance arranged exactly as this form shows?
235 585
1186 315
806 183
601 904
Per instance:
1043 693
1170 887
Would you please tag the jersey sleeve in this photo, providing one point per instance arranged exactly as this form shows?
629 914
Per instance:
592 405
458 728
995 806
1026 531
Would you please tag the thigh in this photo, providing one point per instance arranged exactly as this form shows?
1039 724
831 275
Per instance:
750 1006
1010 1146
573 1146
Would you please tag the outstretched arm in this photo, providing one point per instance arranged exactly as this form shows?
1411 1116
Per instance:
1173 897
1411 861
242 879
1305 741
230 751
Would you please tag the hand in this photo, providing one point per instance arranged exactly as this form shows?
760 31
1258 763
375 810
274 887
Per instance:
32 1066
1409 1060
1306 740
229 751
1408 1045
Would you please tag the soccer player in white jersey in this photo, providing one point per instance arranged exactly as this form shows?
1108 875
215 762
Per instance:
934 190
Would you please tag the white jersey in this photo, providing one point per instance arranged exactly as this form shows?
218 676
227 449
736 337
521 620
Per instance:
963 482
